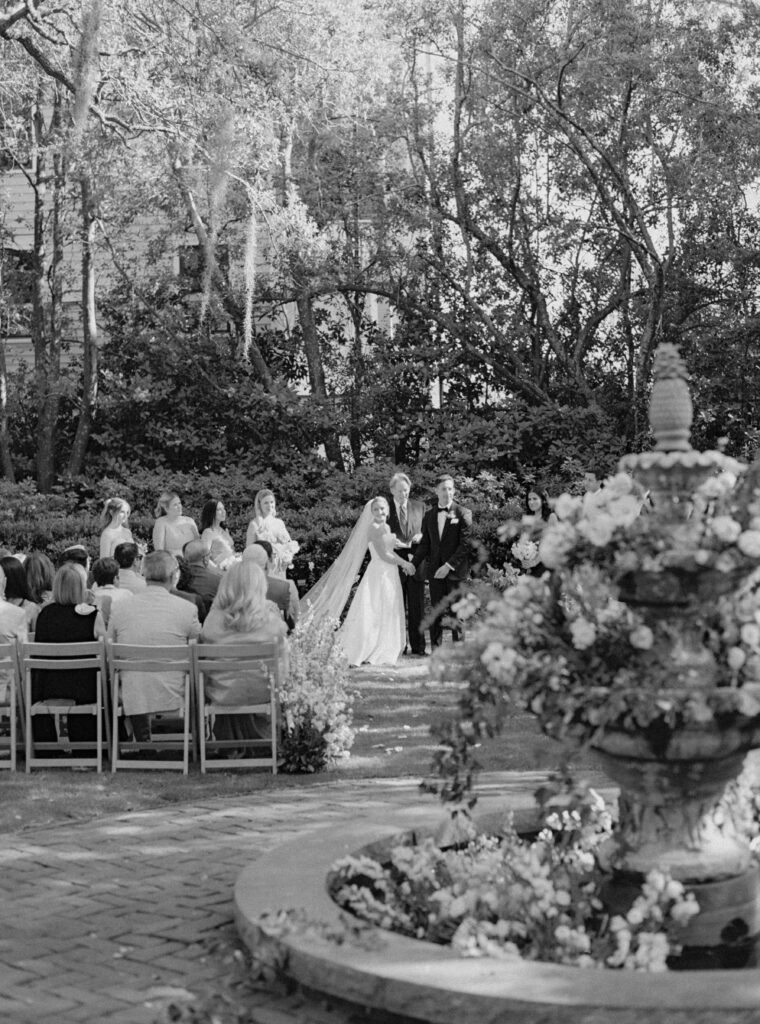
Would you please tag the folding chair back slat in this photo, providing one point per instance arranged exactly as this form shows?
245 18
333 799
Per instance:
264 656
53 657
138 658
9 705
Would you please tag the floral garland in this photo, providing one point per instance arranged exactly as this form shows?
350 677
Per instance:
511 897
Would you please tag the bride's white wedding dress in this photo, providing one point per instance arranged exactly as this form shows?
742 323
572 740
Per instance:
374 630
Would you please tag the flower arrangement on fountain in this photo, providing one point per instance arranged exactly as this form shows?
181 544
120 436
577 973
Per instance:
573 648
532 898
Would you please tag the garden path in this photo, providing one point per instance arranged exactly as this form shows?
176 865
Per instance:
118 919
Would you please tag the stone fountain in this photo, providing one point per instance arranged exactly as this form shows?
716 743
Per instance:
678 808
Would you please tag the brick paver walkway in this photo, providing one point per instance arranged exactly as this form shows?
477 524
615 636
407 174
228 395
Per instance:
107 921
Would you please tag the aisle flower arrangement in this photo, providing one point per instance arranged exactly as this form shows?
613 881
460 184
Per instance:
316 701
512 897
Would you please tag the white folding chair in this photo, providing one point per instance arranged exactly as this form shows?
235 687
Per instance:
9 688
258 667
137 658
88 655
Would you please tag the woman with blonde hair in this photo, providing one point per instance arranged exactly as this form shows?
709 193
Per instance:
172 530
266 525
240 612
114 520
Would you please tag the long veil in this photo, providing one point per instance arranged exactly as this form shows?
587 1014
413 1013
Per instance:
327 598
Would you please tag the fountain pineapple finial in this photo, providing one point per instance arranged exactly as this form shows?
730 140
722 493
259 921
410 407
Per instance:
670 408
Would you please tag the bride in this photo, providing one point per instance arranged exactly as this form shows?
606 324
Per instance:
374 629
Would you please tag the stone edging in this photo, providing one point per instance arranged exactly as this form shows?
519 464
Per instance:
427 982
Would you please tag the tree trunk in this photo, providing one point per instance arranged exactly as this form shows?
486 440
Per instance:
6 460
89 337
48 372
313 354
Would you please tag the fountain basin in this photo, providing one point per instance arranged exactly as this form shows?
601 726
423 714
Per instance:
421 981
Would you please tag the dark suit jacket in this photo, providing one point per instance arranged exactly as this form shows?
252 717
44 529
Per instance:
415 510
204 582
453 546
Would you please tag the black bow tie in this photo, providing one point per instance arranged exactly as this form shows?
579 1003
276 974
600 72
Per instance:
444 508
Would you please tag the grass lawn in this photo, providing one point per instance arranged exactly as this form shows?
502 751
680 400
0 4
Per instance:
393 711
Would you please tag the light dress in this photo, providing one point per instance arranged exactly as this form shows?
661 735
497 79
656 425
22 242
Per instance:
273 530
111 537
220 545
172 534
374 630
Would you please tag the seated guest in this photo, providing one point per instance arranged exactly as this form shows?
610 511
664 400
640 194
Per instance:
78 554
154 617
105 590
115 530
183 589
17 589
240 612
129 561
202 578
283 593
172 530
39 572
68 619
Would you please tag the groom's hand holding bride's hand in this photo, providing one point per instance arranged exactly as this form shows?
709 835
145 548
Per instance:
409 569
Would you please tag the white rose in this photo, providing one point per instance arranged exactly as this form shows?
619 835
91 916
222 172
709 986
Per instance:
566 505
555 543
750 634
583 633
749 543
598 529
641 637
726 529
625 510
736 658
634 917
618 485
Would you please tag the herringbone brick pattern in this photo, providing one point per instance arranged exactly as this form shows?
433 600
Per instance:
108 921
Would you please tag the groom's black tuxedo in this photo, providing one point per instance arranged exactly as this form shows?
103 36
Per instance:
450 546
413 588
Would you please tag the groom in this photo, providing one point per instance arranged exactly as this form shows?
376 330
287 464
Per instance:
445 544
405 520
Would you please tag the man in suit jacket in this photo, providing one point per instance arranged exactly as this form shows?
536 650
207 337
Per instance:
158 618
203 579
445 545
405 520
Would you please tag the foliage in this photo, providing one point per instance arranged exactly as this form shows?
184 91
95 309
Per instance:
510 896
316 704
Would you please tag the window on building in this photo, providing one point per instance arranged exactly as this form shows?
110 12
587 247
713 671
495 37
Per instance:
16 291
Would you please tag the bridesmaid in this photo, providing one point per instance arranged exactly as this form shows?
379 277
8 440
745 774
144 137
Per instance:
216 536
114 519
265 525
172 530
